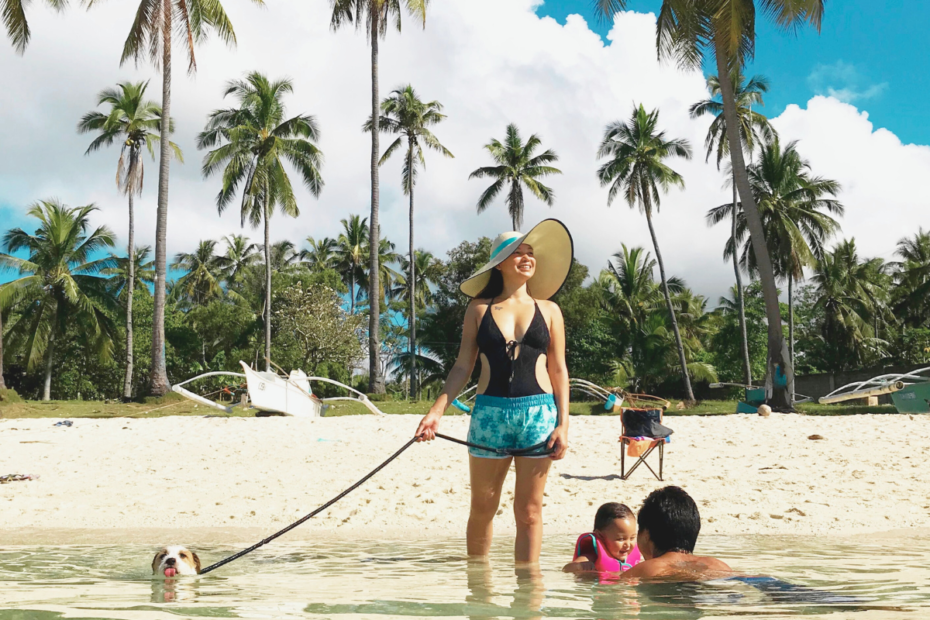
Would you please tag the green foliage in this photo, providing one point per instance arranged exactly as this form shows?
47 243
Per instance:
590 343
312 329
441 327
725 342
911 347
60 287
9 396
912 277
850 295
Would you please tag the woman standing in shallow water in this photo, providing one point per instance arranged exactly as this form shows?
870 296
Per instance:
523 387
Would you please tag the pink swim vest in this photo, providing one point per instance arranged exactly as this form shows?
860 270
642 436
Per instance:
591 544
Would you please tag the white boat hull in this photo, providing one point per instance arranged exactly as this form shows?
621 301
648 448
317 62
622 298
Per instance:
275 394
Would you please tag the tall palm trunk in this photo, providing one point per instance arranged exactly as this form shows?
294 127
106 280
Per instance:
777 351
747 366
267 290
50 359
2 382
159 374
791 327
127 380
668 301
352 292
516 204
412 327
375 380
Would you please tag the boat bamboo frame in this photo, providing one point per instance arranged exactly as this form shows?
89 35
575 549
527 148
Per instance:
355 396
876 386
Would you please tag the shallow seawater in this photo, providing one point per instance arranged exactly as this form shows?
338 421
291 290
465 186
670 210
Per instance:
433 579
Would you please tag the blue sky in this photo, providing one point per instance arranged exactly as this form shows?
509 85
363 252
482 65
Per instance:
871 54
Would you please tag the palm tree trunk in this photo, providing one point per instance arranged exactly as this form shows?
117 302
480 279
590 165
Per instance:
747 366
791 327
516 204
777 351
127 380
352 292
158 377
671 310
49 361
411 287
2 382
375 380
267 290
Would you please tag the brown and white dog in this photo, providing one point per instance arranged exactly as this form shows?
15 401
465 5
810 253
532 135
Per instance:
175 560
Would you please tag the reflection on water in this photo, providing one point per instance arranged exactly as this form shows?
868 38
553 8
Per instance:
429 579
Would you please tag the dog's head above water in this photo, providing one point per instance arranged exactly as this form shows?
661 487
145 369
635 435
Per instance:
175 560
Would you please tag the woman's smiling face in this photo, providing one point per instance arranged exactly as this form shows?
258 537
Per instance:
521 264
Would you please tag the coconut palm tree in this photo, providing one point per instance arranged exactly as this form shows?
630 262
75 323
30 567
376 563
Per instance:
2 382
795 208
321 255
204 270
151 36
135 122
405 114
284 255
627 288
241 254
138 273
636 168
252 143
387 256
725 30
17 26
754 127
517 166
374 16
427 270
849 294
350 253
59 285
912 275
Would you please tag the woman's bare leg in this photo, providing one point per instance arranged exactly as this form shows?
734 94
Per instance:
487 478
527 507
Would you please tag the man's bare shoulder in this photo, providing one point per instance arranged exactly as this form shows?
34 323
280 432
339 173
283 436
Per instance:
679 568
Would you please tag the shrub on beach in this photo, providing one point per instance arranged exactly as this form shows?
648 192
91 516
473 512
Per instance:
9 396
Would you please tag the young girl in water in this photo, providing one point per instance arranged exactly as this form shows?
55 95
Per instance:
611 546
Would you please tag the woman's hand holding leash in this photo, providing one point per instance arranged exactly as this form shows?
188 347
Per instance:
558 443
426 431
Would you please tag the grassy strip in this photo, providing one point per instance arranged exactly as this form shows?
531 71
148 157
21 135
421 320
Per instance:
175 405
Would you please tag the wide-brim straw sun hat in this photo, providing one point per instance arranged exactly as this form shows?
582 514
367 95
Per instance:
552 247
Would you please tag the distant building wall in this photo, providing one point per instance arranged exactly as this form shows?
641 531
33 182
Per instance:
819 385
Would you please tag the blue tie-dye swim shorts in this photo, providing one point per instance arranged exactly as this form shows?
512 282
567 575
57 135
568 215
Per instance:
511 423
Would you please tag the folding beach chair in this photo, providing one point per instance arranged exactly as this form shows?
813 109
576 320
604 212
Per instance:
643 432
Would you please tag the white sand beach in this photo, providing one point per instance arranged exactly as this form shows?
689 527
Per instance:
234 478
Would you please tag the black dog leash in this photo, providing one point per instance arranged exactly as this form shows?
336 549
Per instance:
539 449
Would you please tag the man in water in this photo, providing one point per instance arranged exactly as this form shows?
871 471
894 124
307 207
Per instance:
669 524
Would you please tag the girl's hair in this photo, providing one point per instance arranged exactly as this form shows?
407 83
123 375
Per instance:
608 512
494 287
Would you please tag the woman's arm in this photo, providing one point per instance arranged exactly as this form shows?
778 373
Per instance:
458 376
558 375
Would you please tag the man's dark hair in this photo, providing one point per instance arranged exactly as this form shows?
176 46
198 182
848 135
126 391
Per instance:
672 519
608 512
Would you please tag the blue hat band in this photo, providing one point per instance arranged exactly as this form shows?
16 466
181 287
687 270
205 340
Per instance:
501 247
